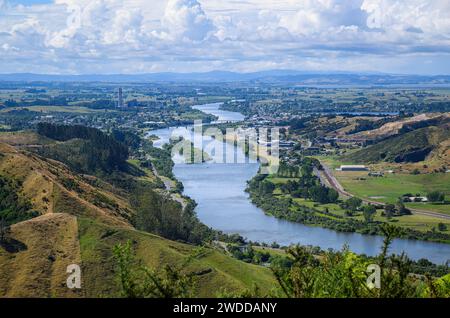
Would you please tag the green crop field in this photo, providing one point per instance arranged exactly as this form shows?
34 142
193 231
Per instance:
392 186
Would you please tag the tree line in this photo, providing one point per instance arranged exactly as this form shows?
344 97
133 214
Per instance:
85 149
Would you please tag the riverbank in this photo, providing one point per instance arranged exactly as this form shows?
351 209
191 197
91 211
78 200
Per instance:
330 215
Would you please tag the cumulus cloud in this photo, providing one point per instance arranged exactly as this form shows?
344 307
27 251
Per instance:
97 23
315 16
185 35
185 19
428 16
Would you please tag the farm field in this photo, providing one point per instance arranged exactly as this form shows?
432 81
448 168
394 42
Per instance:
434 207
389 188
392 186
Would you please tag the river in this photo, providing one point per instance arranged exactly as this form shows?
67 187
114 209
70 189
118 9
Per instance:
223 204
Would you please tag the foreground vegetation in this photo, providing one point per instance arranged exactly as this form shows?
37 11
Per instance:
302 274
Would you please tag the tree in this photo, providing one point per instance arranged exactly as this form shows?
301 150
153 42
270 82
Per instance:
14 207
89 150
319 194
306 170
436 196
353 204
389 210
442 227
333 196
401 209
369 212
267 187
4 230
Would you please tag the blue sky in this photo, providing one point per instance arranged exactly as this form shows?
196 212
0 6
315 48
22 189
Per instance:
142 36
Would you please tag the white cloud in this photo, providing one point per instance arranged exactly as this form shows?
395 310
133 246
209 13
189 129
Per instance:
185 19
187 35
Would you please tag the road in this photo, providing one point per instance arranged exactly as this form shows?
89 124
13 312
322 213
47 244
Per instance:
327 178
168 186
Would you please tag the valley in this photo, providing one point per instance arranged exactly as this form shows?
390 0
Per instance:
91 185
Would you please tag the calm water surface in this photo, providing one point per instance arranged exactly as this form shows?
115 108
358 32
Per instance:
223 204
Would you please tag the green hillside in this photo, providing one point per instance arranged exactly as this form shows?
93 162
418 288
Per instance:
214 271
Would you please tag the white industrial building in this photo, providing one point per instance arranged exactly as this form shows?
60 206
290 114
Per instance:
352 168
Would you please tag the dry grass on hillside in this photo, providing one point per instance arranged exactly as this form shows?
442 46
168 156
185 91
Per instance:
46 183
393 128
51 243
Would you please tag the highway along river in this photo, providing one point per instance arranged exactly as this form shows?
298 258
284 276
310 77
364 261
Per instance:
223 204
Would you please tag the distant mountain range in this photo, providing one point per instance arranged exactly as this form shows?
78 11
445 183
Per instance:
275 77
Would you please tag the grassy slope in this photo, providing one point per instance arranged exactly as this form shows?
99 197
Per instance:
389 149
384 153
42 184
54 241
216 270
40 271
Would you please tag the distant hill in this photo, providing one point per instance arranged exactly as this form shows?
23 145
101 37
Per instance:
401 126
274 76
409 146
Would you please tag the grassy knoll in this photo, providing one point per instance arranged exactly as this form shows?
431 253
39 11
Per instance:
413 146
48 244
417 222
332 207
